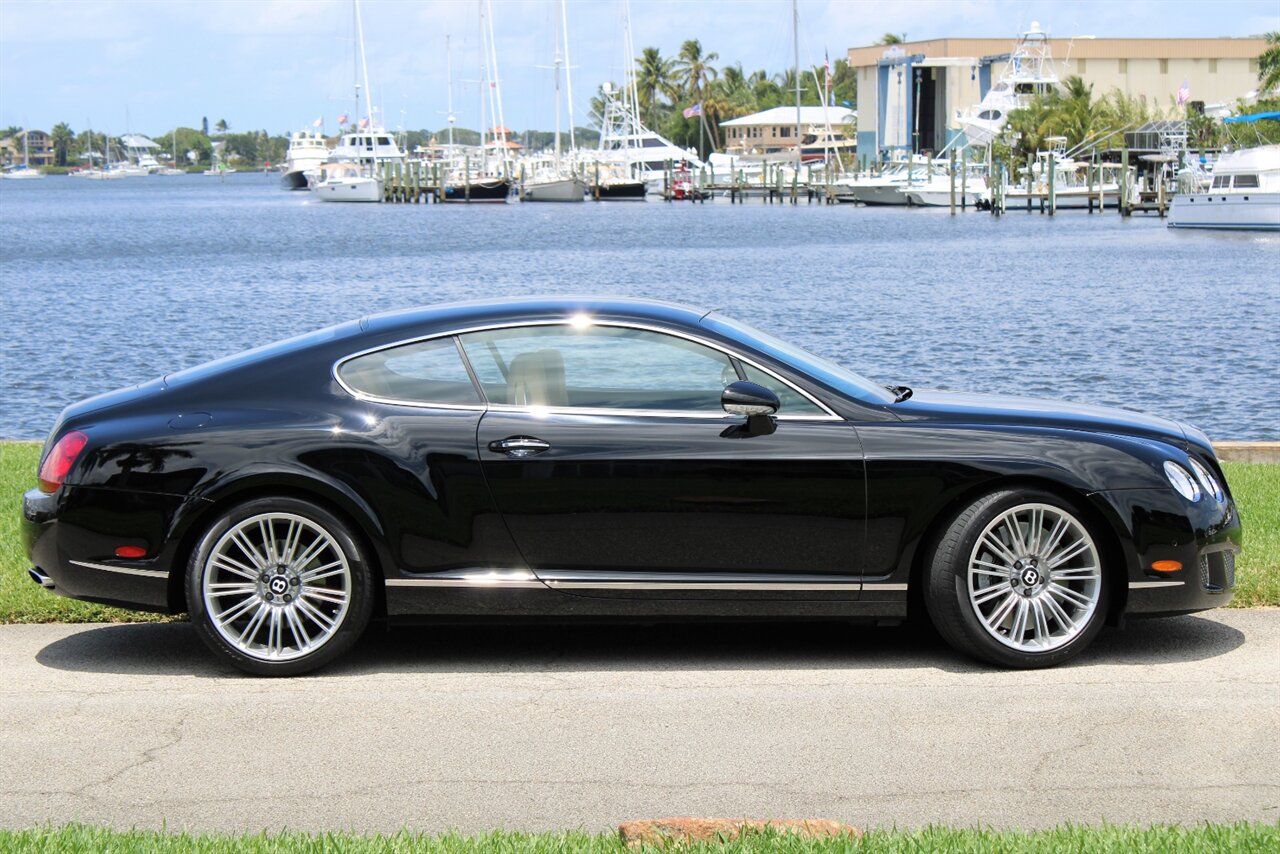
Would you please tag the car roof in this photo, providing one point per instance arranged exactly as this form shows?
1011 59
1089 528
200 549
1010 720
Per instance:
538 308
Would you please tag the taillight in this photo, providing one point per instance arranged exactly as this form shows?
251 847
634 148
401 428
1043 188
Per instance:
54 469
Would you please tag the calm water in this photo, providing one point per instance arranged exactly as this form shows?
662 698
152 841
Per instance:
109 283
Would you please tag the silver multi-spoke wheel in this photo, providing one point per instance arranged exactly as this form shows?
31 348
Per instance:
1034 577
276 586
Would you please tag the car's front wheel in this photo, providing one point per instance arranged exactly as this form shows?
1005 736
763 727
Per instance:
278 587
1017 580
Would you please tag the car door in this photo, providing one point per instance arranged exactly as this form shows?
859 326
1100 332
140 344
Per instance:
619 474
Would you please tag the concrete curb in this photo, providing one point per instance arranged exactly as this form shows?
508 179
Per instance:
1248 452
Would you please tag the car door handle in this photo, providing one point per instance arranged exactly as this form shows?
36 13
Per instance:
519 446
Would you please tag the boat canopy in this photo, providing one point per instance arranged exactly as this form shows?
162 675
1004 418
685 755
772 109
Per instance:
1255 117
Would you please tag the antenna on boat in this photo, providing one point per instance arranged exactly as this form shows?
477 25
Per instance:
795 44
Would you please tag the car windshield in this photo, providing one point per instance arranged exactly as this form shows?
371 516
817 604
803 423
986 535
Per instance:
823 370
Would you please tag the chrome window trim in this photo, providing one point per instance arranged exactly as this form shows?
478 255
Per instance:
147 573
560 410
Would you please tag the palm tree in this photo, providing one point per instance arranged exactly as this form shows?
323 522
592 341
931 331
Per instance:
1269 63
892 38
62 137
693 69
655 77
221 126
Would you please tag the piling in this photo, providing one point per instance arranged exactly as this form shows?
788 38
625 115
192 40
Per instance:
953 182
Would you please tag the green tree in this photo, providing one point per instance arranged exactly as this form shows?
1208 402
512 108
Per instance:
62 137
655 79
1269 63
693 69
892 38
221 126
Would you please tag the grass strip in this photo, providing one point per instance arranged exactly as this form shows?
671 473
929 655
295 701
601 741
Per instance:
1256 487
1238 837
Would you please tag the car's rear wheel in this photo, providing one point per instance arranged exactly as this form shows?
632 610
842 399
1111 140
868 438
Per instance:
278 587
1018 580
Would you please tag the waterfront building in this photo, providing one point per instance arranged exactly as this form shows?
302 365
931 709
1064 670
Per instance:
911 95
39 148
773 131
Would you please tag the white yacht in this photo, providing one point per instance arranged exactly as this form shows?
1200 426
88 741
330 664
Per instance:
1244 193
138 157
307 151
1029 73
346 181
373 146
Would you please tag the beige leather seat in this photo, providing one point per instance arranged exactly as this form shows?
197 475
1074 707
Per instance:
537 379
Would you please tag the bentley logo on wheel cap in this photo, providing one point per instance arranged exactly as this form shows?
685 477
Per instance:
279 584
1030 577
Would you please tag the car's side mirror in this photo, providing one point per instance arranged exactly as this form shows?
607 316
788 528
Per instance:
748 398
756 402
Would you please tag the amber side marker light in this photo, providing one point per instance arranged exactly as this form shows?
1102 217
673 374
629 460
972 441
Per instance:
131 551
1167 565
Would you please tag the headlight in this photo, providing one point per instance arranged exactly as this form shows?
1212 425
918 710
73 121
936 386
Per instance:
1182 481
1210 482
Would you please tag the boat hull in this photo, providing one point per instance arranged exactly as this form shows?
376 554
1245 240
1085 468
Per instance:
559 190
486 191
1230 211
360 189
294 180
622 191
881 195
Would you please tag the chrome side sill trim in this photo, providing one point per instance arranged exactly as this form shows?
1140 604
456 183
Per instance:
473 578
696 585
1143 585
147 573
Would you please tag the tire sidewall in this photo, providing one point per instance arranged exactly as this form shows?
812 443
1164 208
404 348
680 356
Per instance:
354 621
947 595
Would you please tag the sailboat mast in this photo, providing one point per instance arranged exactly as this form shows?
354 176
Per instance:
795 44
364 67
448 52
497 90
557 76
484 86
568 72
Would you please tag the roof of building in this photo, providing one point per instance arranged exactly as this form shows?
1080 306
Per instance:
1079 48
787 116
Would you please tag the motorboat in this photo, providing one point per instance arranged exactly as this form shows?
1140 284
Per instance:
1241 190
346 181
1244 193
307 152
1028 73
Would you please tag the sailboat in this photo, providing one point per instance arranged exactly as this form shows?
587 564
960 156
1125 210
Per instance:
488 185
172 170
351 175
23 172
552 184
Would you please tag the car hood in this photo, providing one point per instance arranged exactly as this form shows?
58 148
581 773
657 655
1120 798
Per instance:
970 408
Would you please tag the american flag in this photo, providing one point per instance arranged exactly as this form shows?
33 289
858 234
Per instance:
364 123
318 123
695 110
342 119
1184 93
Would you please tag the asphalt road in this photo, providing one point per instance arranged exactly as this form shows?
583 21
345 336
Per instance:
548 728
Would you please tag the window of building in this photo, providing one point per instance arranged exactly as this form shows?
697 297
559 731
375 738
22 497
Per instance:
786 132
1164 66
1124 66
1213 66
426 372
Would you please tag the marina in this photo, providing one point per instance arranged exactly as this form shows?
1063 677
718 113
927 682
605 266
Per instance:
1086 308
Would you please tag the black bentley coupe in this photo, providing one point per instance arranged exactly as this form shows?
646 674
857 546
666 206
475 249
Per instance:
609 458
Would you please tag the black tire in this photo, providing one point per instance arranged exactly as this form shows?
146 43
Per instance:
330 594
956 602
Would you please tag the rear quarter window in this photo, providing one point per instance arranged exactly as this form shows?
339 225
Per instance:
426 372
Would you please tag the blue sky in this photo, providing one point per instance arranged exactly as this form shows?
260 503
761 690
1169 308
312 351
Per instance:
148 65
